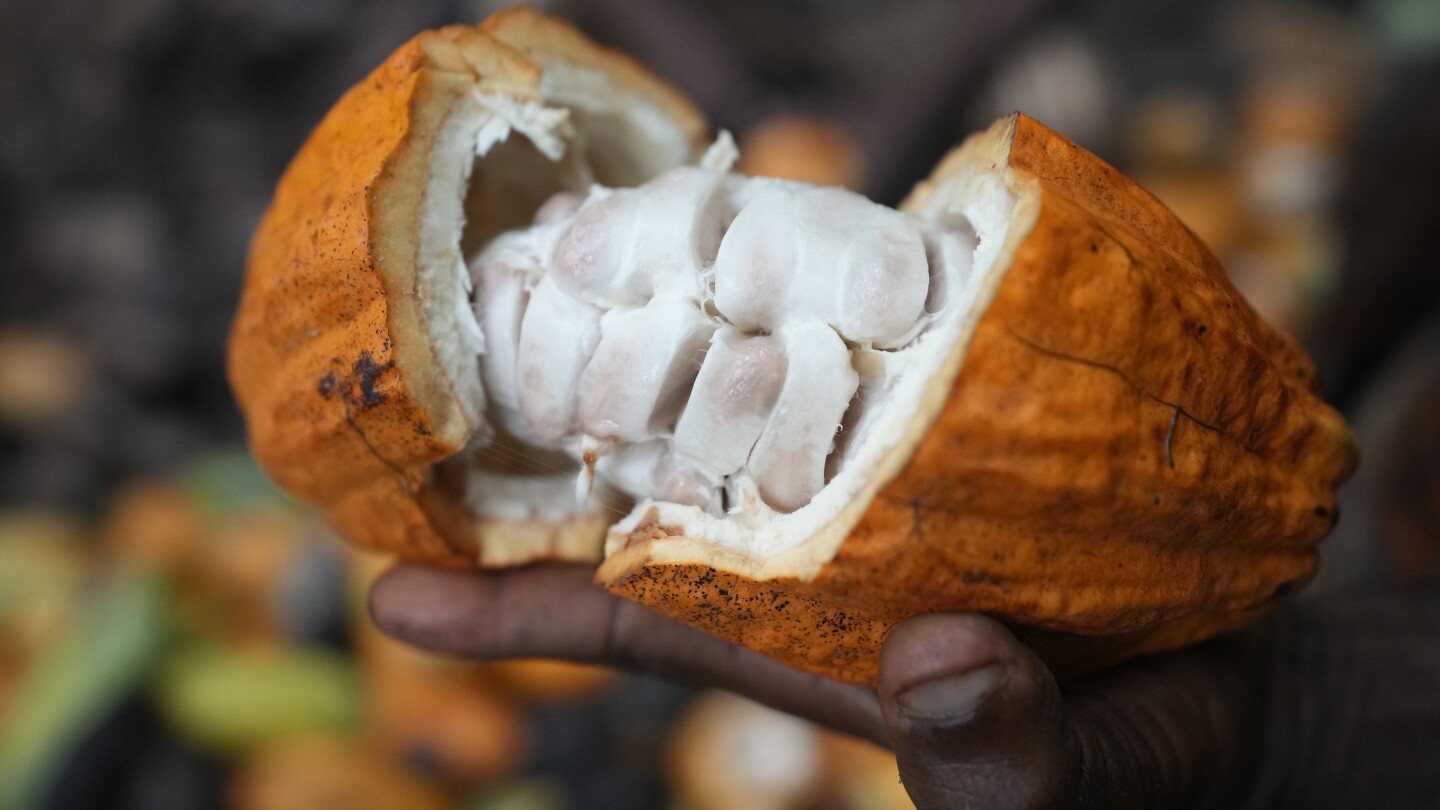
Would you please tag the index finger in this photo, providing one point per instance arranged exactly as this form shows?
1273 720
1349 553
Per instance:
556 611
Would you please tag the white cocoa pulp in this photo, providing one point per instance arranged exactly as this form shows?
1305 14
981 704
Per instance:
702 340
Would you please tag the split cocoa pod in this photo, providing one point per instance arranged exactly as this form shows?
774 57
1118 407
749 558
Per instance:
509 305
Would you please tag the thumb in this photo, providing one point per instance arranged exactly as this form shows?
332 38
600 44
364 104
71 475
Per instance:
975 718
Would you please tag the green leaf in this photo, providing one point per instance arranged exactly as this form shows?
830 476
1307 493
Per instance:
228 700
71 687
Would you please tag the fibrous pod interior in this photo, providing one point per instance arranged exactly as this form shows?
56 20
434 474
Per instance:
725 349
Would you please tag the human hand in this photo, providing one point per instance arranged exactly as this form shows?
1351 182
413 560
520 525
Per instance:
974 717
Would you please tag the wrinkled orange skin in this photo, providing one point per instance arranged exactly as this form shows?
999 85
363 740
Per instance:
311 356
343 395
1130 460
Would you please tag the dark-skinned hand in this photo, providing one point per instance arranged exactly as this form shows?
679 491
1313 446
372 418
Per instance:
974 718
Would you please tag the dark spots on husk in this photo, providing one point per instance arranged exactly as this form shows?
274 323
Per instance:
1170 438
979 577
366 373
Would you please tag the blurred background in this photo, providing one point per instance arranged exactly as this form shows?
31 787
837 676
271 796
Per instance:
174 633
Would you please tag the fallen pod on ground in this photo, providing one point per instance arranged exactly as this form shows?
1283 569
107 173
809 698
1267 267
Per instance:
507 306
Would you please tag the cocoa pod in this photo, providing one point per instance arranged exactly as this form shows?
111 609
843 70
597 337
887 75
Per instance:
1112 452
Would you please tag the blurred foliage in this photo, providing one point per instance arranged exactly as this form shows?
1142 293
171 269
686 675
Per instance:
107 650
228 700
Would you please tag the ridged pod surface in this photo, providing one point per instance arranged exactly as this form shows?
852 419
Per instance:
1129 459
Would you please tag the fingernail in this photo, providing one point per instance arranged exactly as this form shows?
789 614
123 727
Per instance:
953 698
